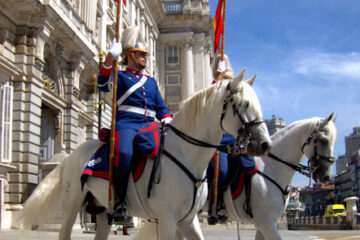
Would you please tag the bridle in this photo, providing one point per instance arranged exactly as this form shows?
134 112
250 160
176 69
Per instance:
305 170
244 134
316 157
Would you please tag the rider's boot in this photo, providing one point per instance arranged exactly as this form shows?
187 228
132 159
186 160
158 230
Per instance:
121 177
221 211
212 216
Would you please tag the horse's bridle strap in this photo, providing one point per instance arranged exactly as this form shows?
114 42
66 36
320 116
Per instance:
197 182
299 168
230 148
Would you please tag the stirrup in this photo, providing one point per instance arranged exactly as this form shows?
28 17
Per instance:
120 216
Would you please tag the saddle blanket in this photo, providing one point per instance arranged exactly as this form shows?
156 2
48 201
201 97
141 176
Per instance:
232 171
146 145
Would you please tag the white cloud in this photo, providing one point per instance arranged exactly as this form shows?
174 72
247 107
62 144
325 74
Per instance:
331 65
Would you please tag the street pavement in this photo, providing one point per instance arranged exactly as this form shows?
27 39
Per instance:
218 232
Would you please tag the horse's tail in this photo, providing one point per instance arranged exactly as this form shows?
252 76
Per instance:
43 203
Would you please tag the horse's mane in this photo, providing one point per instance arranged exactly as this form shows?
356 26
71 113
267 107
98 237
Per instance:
280 133
196 104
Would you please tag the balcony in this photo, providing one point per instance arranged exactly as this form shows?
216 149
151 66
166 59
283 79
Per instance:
172 7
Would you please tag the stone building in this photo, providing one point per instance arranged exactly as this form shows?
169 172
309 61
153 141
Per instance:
274 124
49 57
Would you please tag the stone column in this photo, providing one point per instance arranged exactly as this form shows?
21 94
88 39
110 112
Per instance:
88 13
151 51
72 109
187 86
199 68
208 77
26 121
161 65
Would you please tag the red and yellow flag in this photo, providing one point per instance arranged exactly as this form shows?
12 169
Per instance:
218 24
124 1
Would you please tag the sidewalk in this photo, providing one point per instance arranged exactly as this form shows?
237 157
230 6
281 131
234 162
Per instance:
210 232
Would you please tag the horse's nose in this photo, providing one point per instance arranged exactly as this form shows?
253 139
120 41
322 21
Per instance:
265 146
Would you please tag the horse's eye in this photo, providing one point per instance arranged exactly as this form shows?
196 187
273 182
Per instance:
246 104
323 138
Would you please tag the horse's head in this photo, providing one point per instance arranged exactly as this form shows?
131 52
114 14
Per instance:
242 116
319 149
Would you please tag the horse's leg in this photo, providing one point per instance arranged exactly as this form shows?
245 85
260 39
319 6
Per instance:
268 228
167 228
191 230
179 235
102 227
148 232
70 208
67 224
259 236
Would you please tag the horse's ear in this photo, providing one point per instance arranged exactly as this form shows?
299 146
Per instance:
240 77
235 82
334 120
252 80
326 120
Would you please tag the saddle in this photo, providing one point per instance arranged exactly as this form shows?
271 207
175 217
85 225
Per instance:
146 146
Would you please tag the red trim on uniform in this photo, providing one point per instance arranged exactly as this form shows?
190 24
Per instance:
166 115
213 81
254 170
240 187
117 154
152 126
101 174
157 142
139 169
133 71
105 71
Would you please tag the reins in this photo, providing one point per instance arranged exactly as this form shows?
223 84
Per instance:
229 148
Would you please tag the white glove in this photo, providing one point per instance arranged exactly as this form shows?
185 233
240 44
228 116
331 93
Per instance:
115 49
221 67
166 120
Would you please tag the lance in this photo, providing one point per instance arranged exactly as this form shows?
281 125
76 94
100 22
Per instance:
100 102
216 162
113 120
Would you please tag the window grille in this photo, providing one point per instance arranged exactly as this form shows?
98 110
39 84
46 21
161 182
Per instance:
6 111
173 54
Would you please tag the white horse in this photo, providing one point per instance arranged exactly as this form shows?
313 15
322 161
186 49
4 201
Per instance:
313 138
230 105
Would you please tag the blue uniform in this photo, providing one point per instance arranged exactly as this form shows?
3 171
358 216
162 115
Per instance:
128 123
246 163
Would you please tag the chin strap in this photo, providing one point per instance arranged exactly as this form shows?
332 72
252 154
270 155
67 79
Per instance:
132 54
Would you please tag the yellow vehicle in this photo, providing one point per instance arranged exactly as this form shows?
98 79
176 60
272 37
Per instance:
335 210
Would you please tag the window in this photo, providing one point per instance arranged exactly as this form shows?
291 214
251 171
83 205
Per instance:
173 54
173 80
6 104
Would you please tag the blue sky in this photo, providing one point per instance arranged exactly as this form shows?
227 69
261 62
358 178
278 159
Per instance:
306 54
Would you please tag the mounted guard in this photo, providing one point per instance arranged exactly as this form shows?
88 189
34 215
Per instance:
138 102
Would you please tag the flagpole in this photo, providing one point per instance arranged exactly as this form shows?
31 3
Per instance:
223 34
217 153
113 120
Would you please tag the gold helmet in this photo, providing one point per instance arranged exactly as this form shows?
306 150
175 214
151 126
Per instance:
132 41
229 72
